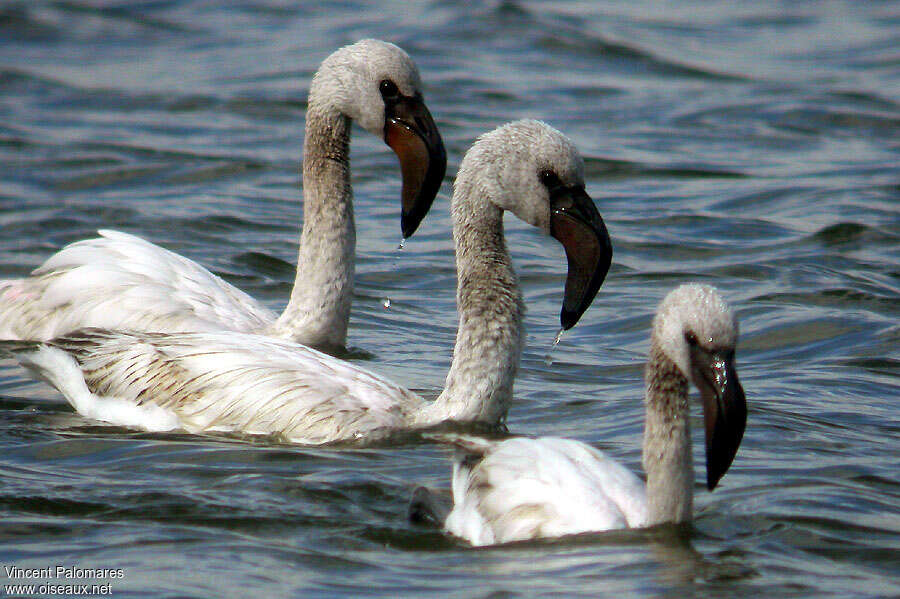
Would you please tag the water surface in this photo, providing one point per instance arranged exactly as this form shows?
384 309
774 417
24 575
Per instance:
751 146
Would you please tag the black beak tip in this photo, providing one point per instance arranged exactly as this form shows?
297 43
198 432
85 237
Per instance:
437 168
411 219
723 449
719 457
409 225
568 318
714 473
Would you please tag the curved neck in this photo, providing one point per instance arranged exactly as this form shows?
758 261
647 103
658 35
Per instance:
319 308
479 385
667 441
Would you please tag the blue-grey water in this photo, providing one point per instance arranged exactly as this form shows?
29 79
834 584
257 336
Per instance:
754 146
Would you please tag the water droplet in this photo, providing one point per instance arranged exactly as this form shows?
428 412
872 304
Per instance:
558 338
386 302
548 359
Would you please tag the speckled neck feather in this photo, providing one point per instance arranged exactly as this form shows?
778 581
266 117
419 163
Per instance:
489 339
667 456
319 308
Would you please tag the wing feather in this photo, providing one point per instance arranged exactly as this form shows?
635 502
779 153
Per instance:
120 281
240 382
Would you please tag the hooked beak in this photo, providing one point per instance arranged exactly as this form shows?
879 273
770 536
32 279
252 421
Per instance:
575 222
724 413
410 131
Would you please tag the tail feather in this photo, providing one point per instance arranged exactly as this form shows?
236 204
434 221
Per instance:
51 365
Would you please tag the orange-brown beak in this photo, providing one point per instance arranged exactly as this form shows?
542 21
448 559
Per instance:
410 131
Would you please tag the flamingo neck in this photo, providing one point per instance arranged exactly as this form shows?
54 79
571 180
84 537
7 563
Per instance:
319 309
667 441
479 385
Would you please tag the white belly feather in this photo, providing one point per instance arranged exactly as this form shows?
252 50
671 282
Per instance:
521 489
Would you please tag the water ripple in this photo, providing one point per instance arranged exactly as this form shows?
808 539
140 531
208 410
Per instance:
714 154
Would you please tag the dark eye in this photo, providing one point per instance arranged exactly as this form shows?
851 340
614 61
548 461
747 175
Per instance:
691 338
549 179
388 89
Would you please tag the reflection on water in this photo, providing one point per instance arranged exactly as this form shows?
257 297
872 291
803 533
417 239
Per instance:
753 147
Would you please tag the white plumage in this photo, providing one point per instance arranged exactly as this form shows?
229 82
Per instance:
120 281
220 382
519 489
228 381
522 489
